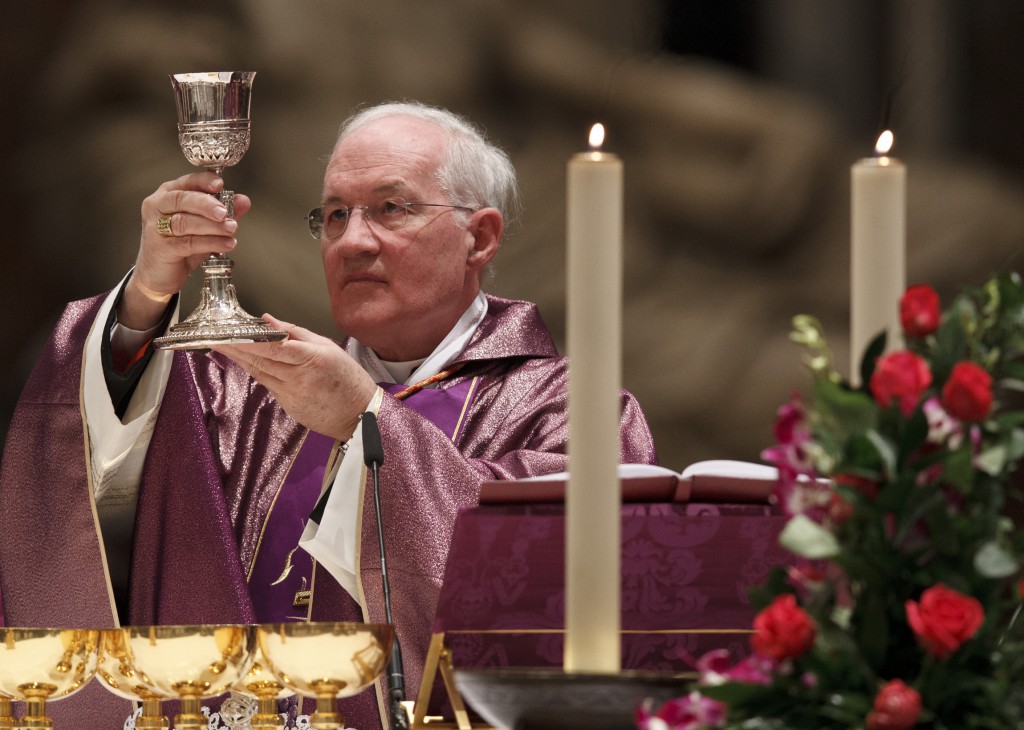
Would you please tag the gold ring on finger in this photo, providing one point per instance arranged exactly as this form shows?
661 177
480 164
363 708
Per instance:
163 225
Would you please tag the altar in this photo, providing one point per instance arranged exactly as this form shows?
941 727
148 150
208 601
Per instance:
686 571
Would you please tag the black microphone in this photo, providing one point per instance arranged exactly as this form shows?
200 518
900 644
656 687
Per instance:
373 457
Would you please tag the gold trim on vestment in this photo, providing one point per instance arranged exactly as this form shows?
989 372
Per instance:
273 502
90 482
465 406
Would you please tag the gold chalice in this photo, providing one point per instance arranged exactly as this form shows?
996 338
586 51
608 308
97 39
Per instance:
41 665
187 663
326 660
118 674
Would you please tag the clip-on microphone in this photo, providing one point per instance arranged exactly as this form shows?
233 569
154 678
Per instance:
373 457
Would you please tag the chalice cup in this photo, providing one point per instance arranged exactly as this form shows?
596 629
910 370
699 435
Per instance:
326 661
117 673
186 663
40 665
214 131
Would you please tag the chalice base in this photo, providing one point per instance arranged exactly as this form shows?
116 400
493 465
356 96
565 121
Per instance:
219 319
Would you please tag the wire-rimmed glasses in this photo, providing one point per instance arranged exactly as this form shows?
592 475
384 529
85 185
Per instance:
391 214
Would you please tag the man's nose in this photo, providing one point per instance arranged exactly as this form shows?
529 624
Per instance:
359 235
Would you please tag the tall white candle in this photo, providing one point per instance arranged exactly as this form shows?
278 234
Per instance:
878 225
594 310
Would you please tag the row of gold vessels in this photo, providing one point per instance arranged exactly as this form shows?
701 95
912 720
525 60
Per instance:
151 664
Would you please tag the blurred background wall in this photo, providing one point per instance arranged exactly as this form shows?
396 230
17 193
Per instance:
737 121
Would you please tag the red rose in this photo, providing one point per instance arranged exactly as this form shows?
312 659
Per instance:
901 377
896 707
783 630
967 394
919 311
944 619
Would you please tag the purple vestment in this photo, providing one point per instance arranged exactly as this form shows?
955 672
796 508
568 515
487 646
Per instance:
220 453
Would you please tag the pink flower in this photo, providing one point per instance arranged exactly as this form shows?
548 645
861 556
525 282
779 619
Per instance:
716 667
807 578
794 446
690 712
943 429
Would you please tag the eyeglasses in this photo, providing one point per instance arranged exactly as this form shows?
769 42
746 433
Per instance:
391 214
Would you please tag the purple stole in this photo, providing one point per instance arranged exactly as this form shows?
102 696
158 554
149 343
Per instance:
280 569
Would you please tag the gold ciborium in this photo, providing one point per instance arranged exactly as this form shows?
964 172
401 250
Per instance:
187 663
326 660
118 674
214 133
41 665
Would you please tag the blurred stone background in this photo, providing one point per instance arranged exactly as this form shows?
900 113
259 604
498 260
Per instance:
737 121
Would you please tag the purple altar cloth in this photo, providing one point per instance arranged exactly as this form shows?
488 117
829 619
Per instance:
686 569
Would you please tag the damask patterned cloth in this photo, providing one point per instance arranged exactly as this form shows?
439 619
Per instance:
220 450
686 571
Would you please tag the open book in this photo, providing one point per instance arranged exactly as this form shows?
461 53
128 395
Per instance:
718 480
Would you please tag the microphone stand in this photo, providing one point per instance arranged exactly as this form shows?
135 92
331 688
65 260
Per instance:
373 457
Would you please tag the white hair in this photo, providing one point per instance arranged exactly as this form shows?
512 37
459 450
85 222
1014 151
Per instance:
476 173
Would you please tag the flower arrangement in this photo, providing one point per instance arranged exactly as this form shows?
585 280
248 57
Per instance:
901 608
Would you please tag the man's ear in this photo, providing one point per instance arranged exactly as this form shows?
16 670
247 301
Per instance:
485 226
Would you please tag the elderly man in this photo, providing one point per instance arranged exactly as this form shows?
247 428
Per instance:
192 500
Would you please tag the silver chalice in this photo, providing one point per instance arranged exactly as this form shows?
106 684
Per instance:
214 133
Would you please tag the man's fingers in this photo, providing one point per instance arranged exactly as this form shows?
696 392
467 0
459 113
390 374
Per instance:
264 356
295 332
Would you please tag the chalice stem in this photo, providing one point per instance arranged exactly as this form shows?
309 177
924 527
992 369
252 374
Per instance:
327 716
190 717
267 718
152 717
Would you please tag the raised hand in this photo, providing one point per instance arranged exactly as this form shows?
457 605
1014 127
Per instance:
182 223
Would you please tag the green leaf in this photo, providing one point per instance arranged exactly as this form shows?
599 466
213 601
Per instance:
805 537
1015 445
847 411
885 450
992 561
872 627
738 693
958 469
991 461
871 354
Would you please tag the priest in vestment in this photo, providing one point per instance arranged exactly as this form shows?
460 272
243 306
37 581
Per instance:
159 487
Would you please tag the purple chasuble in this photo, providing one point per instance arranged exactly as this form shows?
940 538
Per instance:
281 570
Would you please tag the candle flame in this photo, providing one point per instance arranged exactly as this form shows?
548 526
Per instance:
884 143
596 136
